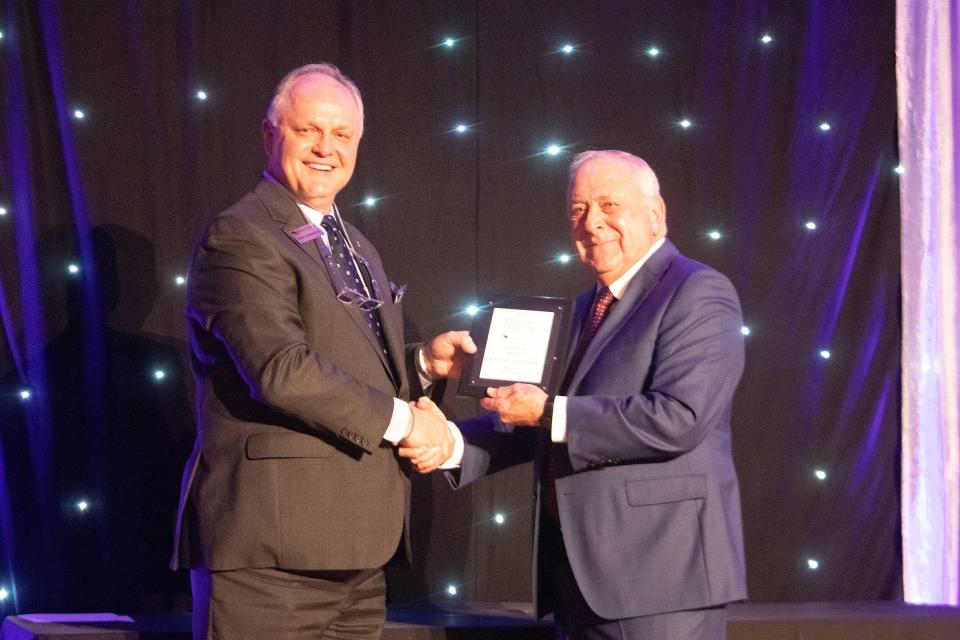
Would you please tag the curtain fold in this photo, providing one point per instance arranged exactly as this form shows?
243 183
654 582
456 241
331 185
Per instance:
928 86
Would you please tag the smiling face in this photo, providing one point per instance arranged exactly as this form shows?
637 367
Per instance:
312 150
613 222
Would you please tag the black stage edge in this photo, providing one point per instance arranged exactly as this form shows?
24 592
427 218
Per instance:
514 621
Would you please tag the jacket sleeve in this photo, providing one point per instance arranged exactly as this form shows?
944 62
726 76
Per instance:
489 447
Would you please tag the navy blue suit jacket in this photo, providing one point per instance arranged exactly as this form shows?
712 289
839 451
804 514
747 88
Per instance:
651 515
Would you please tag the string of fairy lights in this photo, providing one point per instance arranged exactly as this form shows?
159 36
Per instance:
82 115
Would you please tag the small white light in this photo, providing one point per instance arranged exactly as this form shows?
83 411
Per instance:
369 201
810 225
1 35
898 169
745 330
825 354
460 128
82 506
3 211
78 114
201 95
564 258
473 309
553 149
714 235
499 518
567 49
180 281
766 38
824 126
449 42
820 474
4 594
686 124
73 268
159 374
653 52
25 394
813 564
451 590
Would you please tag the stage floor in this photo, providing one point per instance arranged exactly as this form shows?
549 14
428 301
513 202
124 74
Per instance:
507 621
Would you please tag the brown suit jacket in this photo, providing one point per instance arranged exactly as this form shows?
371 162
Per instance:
289 468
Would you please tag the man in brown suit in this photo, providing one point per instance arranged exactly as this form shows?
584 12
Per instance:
294 497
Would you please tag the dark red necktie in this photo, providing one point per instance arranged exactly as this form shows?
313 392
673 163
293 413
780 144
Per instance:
556 462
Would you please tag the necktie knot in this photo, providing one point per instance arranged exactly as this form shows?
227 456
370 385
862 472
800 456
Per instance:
602 304
331 226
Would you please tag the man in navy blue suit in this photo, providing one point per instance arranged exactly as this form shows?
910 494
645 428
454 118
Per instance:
638 527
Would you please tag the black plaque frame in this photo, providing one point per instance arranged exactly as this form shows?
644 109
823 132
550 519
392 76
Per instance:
472 385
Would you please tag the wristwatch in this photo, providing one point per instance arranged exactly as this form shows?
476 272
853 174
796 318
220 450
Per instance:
546 418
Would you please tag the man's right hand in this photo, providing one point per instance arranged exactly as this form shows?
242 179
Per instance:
429 442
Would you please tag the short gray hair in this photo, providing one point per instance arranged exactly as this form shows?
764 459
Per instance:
282 91
646 178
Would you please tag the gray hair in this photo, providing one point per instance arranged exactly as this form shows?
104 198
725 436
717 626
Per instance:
282 91
646 178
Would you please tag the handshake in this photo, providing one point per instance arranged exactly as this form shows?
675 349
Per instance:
429 442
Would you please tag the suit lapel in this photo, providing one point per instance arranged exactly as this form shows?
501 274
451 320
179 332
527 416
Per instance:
638 289
284 210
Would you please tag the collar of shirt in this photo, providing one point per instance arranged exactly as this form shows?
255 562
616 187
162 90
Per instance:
618 286
314 216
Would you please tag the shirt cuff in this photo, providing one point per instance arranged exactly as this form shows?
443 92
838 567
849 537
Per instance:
399 423
558 426
456 458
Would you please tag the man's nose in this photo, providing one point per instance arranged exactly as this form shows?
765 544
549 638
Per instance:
322 146
594 217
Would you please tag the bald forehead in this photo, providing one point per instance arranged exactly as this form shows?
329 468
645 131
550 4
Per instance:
633 172
317 87
606 171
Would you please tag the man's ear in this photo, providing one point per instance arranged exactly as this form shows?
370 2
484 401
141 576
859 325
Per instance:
658 213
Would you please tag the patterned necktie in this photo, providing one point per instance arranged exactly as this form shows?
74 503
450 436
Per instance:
350 270
556 462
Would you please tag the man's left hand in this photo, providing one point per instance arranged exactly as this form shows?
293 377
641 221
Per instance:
519 404
444 355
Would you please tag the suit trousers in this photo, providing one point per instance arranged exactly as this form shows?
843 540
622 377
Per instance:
256 604
576 620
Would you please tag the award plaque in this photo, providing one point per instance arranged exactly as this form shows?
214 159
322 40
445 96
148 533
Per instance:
522 339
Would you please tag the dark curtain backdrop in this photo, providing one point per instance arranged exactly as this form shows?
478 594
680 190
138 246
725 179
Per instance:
123 191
